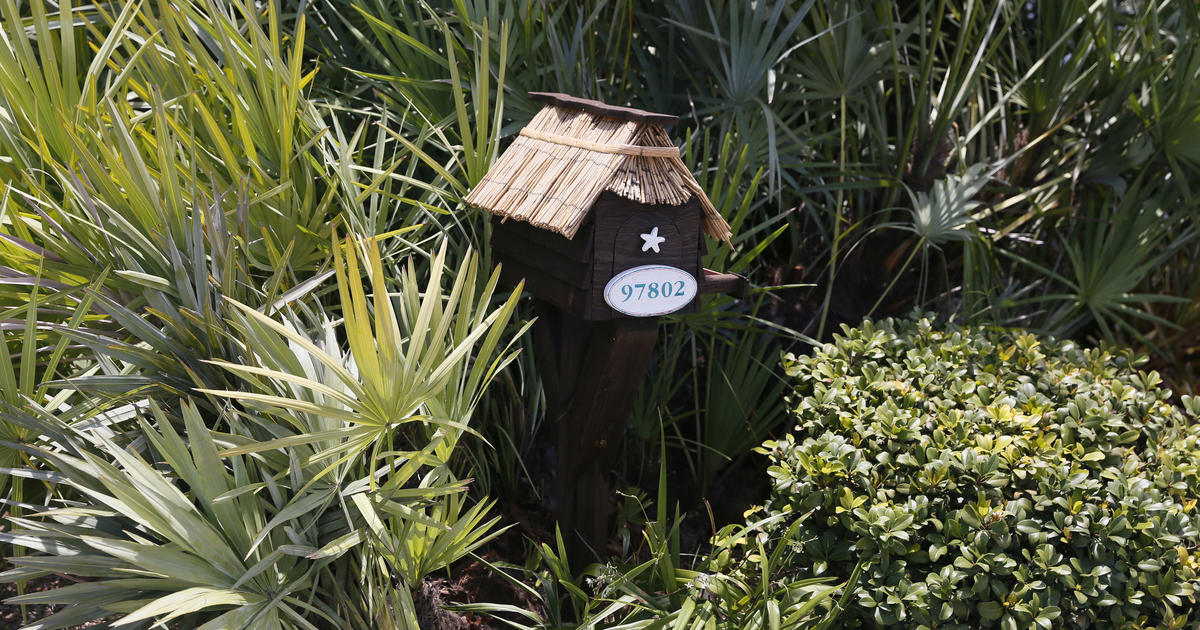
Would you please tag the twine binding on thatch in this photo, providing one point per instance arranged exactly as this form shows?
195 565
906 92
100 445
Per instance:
564 158
619 149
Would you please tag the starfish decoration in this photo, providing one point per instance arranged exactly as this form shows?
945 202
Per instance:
652 240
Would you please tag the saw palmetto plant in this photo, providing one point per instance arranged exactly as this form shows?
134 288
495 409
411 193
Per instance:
324 451
257 369
144 244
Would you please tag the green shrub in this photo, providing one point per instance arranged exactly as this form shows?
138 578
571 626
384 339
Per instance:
991 478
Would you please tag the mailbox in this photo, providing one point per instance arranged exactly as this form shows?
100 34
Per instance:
598 213
595 210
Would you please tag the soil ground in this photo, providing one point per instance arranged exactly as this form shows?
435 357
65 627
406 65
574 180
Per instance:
11 616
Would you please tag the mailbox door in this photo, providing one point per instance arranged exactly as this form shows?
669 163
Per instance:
627 235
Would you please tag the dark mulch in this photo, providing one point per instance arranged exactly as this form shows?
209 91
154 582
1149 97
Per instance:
470 582
12 617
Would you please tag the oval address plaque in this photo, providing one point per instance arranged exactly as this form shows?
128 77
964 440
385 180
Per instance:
650 290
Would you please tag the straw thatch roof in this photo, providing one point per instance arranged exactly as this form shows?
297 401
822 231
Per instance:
573 150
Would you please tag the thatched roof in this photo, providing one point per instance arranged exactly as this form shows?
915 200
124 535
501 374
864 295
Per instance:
573 150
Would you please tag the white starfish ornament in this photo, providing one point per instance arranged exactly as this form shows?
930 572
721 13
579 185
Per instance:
652 240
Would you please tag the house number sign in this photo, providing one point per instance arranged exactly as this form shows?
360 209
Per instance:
650 290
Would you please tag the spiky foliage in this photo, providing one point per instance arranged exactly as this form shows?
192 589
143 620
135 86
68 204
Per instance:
330 457
165 162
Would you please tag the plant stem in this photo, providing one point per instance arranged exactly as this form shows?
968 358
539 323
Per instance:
918 246
837 222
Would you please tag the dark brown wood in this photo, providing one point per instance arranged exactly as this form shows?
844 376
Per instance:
572 273
603 109
578 248
539 283
717 282
575 273
559 346
618 246
553 267
591 372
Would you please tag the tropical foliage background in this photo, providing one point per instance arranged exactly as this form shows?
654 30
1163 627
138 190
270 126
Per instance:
257 369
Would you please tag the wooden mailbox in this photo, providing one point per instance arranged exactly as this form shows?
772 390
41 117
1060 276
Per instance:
589 190
603 221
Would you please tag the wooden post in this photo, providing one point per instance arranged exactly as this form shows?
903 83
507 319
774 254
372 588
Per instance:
591 372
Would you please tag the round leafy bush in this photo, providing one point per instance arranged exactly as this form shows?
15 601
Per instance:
991 478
